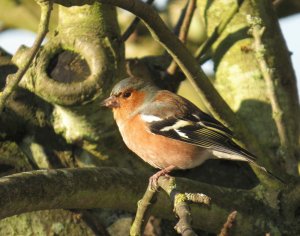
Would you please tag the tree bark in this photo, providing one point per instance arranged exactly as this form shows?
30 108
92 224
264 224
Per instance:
240 81
115 188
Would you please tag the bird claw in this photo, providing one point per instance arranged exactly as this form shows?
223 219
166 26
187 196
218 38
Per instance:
153 180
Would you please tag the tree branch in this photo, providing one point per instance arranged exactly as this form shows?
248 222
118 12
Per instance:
115 188
228 224
180 203
181 207
257 31
184 29
290 201
13 79
143 211
131 28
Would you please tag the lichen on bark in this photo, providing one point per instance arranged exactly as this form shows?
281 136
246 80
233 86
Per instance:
239 79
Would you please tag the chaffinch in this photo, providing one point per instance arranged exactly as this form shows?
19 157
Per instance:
168 131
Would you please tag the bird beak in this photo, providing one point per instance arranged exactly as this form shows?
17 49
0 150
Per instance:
110 102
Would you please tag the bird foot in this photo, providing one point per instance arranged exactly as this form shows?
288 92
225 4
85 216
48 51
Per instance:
154 178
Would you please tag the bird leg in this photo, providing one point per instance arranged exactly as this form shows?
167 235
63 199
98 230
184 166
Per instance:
164 172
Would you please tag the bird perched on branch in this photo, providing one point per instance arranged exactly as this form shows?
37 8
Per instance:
168 131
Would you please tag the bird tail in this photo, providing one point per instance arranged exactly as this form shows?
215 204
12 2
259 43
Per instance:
244 155
268 172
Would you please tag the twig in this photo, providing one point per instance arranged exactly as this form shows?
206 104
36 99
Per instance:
257 30
181 207
206 57
13 80
184 21
217 31
180 19
180 202
131 28
143 211
188 12
228 224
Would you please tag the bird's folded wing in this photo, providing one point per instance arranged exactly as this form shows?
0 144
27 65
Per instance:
183 121
197 134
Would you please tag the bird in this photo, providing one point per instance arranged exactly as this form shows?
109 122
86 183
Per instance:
168 131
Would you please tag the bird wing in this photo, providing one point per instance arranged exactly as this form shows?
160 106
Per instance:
177 118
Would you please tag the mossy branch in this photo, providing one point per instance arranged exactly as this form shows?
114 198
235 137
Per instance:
118 188
181 206
143 211
13 80
257 31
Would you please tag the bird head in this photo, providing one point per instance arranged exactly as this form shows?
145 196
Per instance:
128 95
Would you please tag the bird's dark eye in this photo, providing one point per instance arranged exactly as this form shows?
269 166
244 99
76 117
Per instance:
126 94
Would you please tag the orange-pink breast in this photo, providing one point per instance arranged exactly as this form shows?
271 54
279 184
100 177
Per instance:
160 151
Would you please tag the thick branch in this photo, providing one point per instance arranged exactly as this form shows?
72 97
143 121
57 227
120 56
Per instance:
257 31
120 189
291 201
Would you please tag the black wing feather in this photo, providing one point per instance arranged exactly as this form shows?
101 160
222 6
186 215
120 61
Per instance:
200 135
208 121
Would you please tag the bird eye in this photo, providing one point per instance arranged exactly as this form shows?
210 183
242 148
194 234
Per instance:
126 94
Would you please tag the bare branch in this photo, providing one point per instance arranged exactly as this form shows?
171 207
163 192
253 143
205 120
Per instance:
188 12
13 80
228 224
180 202
143 211
181 208
131 28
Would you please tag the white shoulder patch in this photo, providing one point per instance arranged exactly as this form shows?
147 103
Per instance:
150 118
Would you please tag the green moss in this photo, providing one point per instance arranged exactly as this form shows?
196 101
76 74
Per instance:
179 198
54 222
